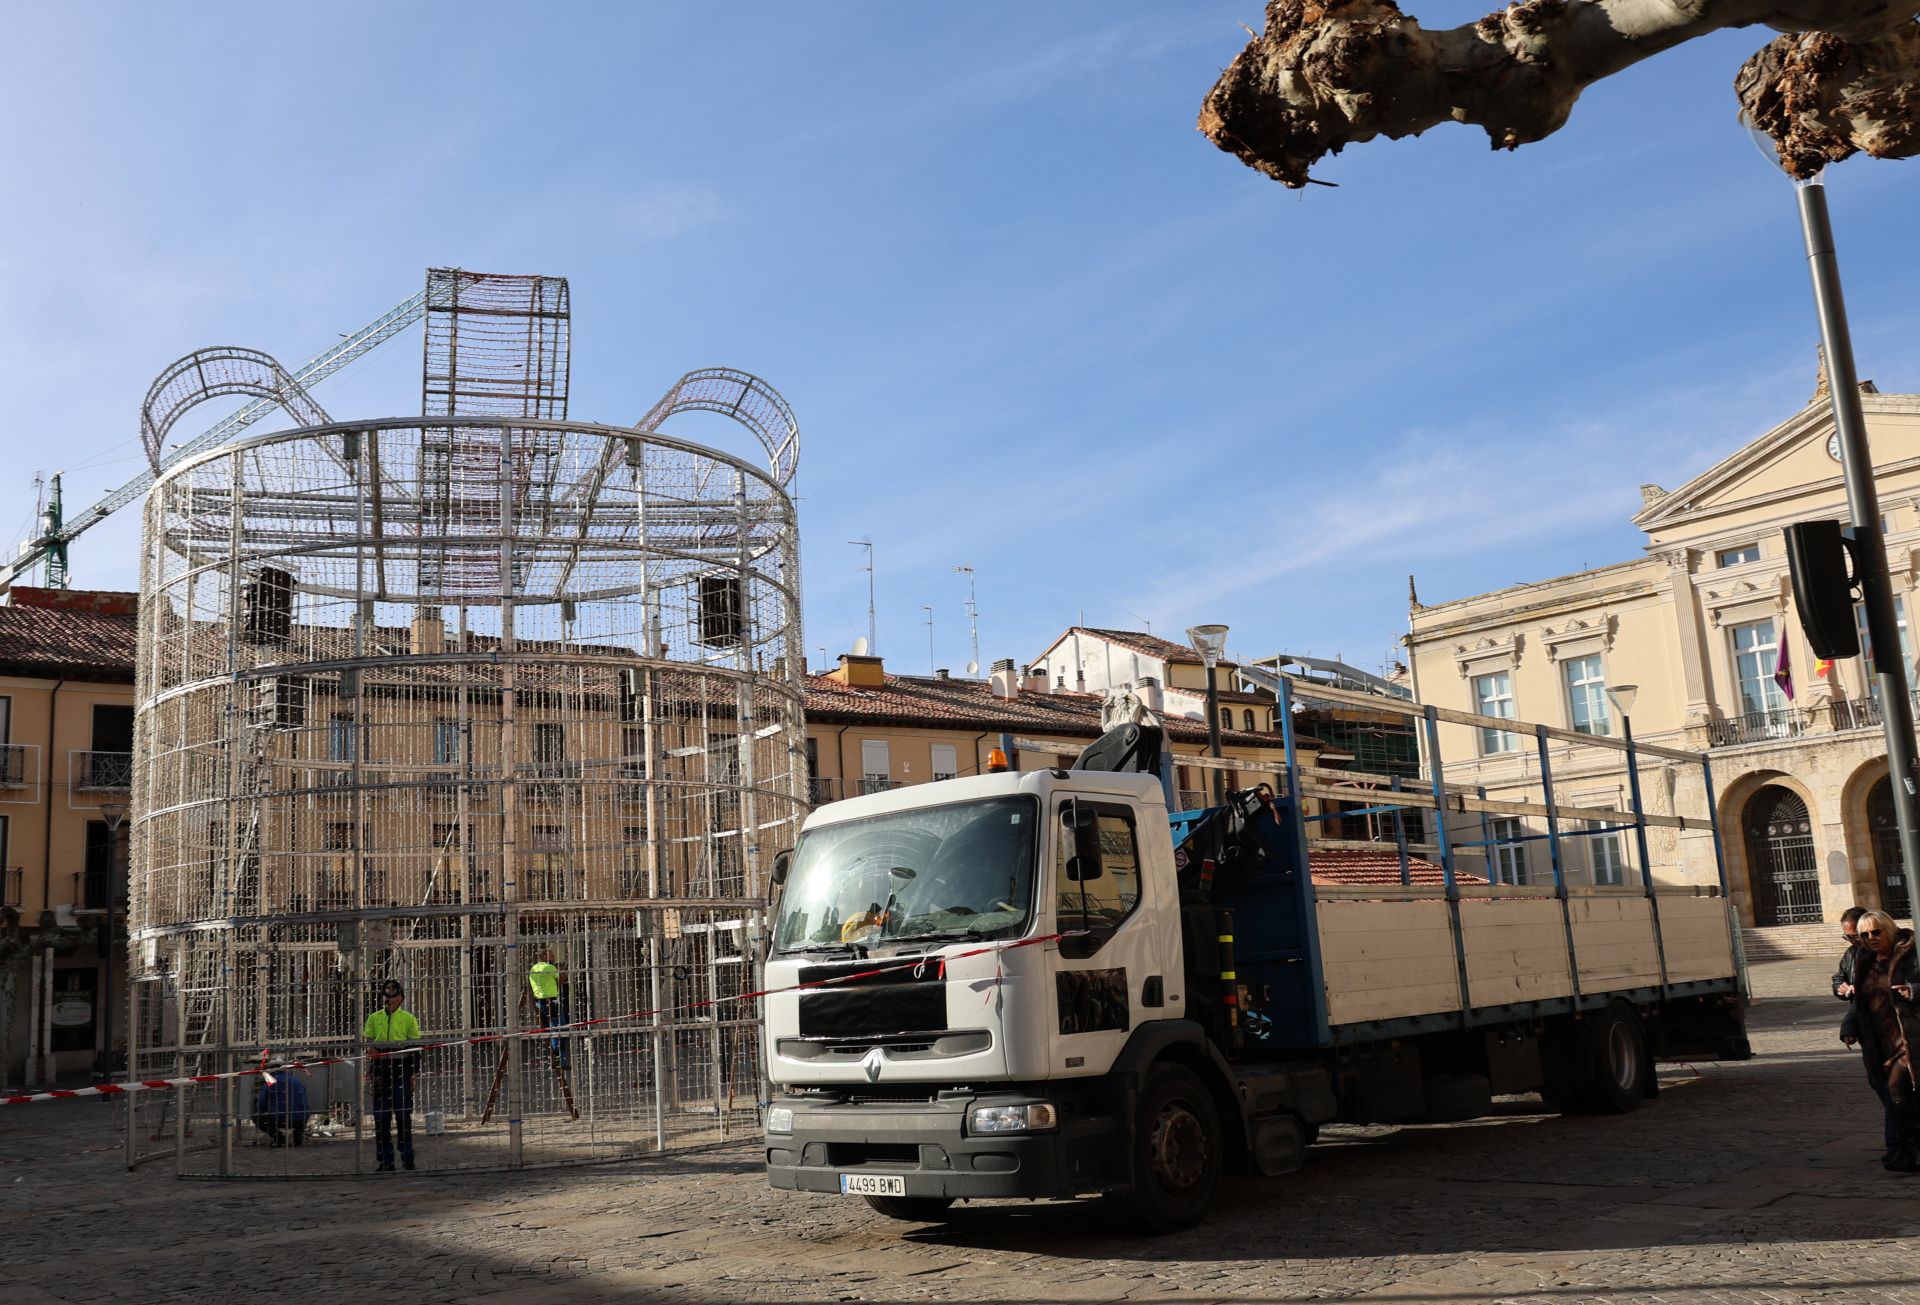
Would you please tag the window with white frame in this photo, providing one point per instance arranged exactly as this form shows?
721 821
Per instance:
946 761
876 766
1609 862
1493 696
1737 556
1506 855
1756 656
1587 694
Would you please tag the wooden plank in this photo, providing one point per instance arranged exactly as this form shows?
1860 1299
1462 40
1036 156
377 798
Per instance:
1460 804
1696 934
1614 943
1516 950
1387 960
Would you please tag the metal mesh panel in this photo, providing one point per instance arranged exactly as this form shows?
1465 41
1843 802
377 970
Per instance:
355 767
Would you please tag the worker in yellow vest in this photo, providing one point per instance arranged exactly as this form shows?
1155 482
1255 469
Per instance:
390 1076
547 982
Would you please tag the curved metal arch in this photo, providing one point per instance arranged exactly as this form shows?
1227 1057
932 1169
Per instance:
215 372
745 398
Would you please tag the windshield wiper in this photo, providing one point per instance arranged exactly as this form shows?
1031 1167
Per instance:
819 949
946 935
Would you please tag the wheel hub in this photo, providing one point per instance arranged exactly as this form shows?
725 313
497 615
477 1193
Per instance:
1177 1147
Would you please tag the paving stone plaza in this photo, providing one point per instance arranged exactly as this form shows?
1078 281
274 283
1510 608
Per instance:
1742 1182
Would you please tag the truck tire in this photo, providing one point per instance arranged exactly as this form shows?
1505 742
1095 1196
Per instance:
1622 1067
913 1209
1176 1152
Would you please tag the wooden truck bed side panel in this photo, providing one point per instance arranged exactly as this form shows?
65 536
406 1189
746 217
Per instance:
1698 938
1387 952
1516 950
1384 960
1613 942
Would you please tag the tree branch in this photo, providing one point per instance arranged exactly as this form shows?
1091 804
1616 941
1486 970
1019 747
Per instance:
1328 73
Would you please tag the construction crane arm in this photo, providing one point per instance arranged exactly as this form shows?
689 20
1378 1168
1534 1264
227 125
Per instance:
310 373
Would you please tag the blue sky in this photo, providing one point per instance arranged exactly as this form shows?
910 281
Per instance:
1030 319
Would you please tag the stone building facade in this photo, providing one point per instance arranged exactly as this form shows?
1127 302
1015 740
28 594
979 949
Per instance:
1704 629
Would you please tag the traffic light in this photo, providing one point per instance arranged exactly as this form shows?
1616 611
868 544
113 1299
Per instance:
1823 587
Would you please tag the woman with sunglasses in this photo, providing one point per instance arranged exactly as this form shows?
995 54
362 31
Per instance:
1886 976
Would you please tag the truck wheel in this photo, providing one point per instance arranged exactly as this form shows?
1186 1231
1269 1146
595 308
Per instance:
913 1209
1622 1068
1176 1160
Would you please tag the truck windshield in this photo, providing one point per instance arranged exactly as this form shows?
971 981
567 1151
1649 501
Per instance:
964 870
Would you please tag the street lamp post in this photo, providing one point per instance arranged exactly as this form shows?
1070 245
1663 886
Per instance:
1210 641
1863 504
115 815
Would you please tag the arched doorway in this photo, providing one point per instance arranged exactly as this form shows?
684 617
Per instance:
1896 897
1781 867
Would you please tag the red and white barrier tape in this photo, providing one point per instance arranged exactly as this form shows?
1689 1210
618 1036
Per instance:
263 1070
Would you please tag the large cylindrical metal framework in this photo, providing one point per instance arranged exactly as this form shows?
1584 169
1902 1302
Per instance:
431 702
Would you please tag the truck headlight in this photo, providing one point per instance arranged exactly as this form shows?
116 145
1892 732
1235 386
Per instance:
1013 1119
779 1119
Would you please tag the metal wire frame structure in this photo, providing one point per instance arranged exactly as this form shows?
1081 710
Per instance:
432 699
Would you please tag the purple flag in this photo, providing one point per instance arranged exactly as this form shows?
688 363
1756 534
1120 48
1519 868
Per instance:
1783 672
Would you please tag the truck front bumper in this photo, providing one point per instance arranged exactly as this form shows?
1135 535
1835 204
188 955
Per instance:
926 1144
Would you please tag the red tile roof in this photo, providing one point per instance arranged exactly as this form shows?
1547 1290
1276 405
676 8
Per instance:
71 642
1358 865
918 701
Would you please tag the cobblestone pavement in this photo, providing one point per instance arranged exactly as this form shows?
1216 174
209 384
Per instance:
1751 1182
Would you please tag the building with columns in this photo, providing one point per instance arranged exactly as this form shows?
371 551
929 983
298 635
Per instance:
1703 625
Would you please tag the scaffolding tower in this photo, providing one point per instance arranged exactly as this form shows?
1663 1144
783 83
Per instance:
435 699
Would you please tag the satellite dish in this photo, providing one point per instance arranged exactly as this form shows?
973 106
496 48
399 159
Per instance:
860 646
973 668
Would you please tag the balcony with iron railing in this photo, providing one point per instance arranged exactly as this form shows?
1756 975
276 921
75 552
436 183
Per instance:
1864 713
1757 727
13 765
876 784
102 772
94 891
13 889
822 789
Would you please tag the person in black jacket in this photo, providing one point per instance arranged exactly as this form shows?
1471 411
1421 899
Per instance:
1843 976
1887 1019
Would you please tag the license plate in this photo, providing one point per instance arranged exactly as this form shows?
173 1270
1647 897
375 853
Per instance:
872 1185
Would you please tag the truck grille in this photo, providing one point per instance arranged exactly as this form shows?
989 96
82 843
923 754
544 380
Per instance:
901 1001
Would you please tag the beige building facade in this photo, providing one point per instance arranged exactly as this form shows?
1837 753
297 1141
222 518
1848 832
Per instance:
1699 642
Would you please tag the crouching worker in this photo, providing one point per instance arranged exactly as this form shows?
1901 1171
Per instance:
394 1031
280 1111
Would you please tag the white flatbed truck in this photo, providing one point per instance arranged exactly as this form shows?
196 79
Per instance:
1044 985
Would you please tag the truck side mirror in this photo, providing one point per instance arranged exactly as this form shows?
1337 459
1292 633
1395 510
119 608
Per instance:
1083 826
782 862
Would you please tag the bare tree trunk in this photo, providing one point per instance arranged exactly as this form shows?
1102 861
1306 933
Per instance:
1328 73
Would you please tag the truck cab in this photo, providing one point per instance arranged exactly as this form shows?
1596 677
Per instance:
977 976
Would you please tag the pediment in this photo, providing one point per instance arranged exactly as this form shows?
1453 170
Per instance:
1791 456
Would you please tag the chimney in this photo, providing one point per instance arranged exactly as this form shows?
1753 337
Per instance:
859 672
941 674
1005 683
429 631
1147 689
1035 680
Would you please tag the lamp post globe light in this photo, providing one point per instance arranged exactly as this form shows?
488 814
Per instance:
1210 641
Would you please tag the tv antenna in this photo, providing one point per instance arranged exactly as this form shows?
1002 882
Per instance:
973 620
930 657
1143 620
873 628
